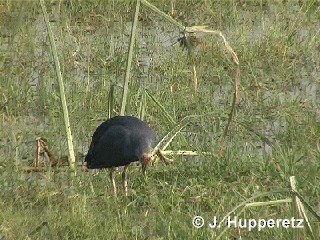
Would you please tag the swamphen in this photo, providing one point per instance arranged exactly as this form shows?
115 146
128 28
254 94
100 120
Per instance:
120 141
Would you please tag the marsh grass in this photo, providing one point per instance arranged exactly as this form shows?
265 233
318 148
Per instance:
275 135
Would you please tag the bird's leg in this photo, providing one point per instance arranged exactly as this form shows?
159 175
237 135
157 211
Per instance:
162 158
114 187
125 180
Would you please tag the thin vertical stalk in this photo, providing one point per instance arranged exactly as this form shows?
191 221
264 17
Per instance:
129 60
61 87
299 212
142 109
295 208
111 102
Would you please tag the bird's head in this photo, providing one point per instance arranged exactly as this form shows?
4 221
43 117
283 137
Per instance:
147 159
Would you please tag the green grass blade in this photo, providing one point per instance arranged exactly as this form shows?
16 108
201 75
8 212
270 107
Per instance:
61 87
129 60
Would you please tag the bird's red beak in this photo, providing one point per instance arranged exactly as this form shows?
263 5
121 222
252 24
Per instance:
147 159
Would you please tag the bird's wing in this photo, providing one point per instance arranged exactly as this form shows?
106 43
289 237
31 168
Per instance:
103 127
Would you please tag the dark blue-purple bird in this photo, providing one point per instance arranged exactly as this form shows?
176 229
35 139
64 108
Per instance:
120 141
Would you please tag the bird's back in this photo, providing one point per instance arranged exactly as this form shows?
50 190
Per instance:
119 141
